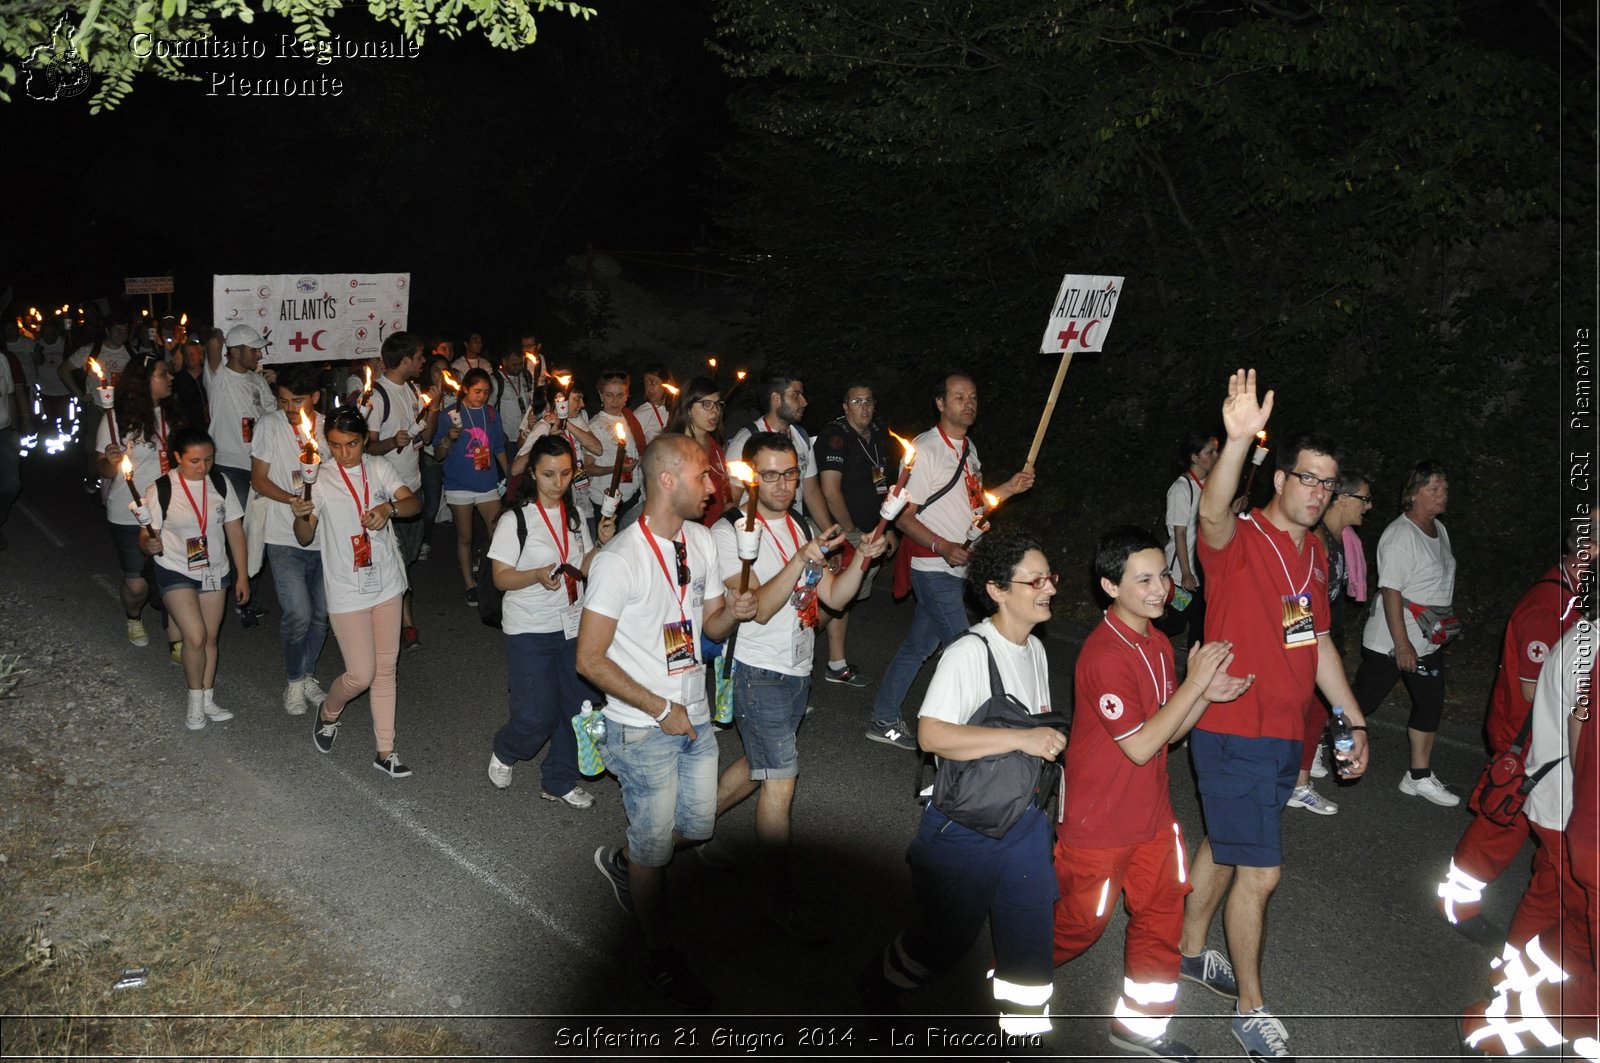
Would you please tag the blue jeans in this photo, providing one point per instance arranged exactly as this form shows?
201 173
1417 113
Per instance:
669 783
769 707
941 615
546 692
297 577
962 877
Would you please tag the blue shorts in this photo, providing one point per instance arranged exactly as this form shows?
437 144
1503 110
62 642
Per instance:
769 707
1245 785
168 580
669 783
131 559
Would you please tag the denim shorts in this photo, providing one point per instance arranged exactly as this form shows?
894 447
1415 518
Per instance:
1245 785
669 783
769 707
168 580
131 559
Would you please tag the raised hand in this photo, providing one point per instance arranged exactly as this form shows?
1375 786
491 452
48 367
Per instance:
1242 415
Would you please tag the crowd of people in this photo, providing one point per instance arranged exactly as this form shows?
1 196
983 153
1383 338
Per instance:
645 563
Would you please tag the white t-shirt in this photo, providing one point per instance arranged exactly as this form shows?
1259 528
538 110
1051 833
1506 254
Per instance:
627 584
514 390
23 348
536 609
238 401
339 519
601 424
652 418
1554 695
580 479
404 412
463 365
112 359
1183 510
781 644
181 525
803 446
50 369
277 443
146 455
960 684
950 516
1423 570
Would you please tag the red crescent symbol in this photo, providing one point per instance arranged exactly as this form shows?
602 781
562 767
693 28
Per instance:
316 339
1083 340
352 300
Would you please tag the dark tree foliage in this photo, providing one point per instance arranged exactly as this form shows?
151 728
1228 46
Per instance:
1365 200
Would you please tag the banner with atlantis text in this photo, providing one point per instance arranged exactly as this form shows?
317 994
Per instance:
314 317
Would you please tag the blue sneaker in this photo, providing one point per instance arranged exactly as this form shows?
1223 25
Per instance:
1212 970
1261 1035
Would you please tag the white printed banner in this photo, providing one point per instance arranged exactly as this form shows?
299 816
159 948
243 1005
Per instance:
1081 315
314 317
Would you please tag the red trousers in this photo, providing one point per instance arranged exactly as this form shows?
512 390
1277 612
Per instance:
1556 906
1153 879
1484 852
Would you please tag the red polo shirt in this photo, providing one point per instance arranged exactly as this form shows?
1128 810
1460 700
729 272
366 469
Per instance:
1538 620
1122 678
1247 584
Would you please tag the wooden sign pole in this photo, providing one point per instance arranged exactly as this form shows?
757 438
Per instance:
1049 408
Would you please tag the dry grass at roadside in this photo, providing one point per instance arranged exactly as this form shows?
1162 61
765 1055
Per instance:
230 970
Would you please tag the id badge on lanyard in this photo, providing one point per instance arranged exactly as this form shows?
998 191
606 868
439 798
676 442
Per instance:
880 481
366 572
1299 628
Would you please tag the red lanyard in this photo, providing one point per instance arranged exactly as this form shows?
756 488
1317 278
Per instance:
650 537
775 543
361 503
946 439
562 546
202 512
657 413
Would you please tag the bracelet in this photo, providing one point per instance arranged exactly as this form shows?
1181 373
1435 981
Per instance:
934 546
666 711
1358 727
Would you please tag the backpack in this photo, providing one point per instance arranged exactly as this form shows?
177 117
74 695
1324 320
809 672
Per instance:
164 490
991 794
489 596
1506 789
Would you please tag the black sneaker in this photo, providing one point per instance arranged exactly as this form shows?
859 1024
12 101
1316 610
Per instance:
323 732
247 618
391 766
848 675
472 597
670 976
614 866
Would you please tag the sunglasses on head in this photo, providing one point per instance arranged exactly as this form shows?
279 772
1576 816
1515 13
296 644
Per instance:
681 552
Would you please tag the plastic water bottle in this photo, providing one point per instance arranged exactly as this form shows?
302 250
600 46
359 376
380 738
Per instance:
594 723
1344 739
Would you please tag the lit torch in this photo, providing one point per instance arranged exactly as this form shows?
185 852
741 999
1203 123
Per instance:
309 460
366 389
455 411
712 363
562 408
896 499
748 539
980 519
105 396
738 378
422 417
1257 456
622 456
138 503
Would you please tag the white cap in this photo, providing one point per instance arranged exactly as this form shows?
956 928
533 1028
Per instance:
245 336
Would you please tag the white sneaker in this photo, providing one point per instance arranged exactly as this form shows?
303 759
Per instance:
1430 788
1319 767
216 713
499 773
577 797
294 698
1307 798
196 719
313 691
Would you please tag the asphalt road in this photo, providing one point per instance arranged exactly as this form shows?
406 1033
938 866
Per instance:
487 905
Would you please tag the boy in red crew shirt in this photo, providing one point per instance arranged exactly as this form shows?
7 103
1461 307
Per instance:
1118 836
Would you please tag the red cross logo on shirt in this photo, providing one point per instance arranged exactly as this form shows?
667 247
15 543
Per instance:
1537 652
1111 706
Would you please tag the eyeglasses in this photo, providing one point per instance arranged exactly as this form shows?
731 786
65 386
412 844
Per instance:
1037 583
861 402
772 476
1312 481
1365 500
681 551
710 405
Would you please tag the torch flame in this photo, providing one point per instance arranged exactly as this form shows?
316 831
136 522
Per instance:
622 433
741 374
367 376
990 500
911 451
450 381
184 320
742 471
308 452
533 359
1262 435
712 362
564 381
670 390
127 468
426 398
94 367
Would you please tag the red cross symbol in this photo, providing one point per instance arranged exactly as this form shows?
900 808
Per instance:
372 317
361 333
1071 333
298 342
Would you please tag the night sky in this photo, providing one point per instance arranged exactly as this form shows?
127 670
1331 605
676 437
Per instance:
477 170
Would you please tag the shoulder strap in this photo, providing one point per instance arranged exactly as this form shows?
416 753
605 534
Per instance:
522 528
961 468
383 393
635 429
220 482
164 495
997 688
